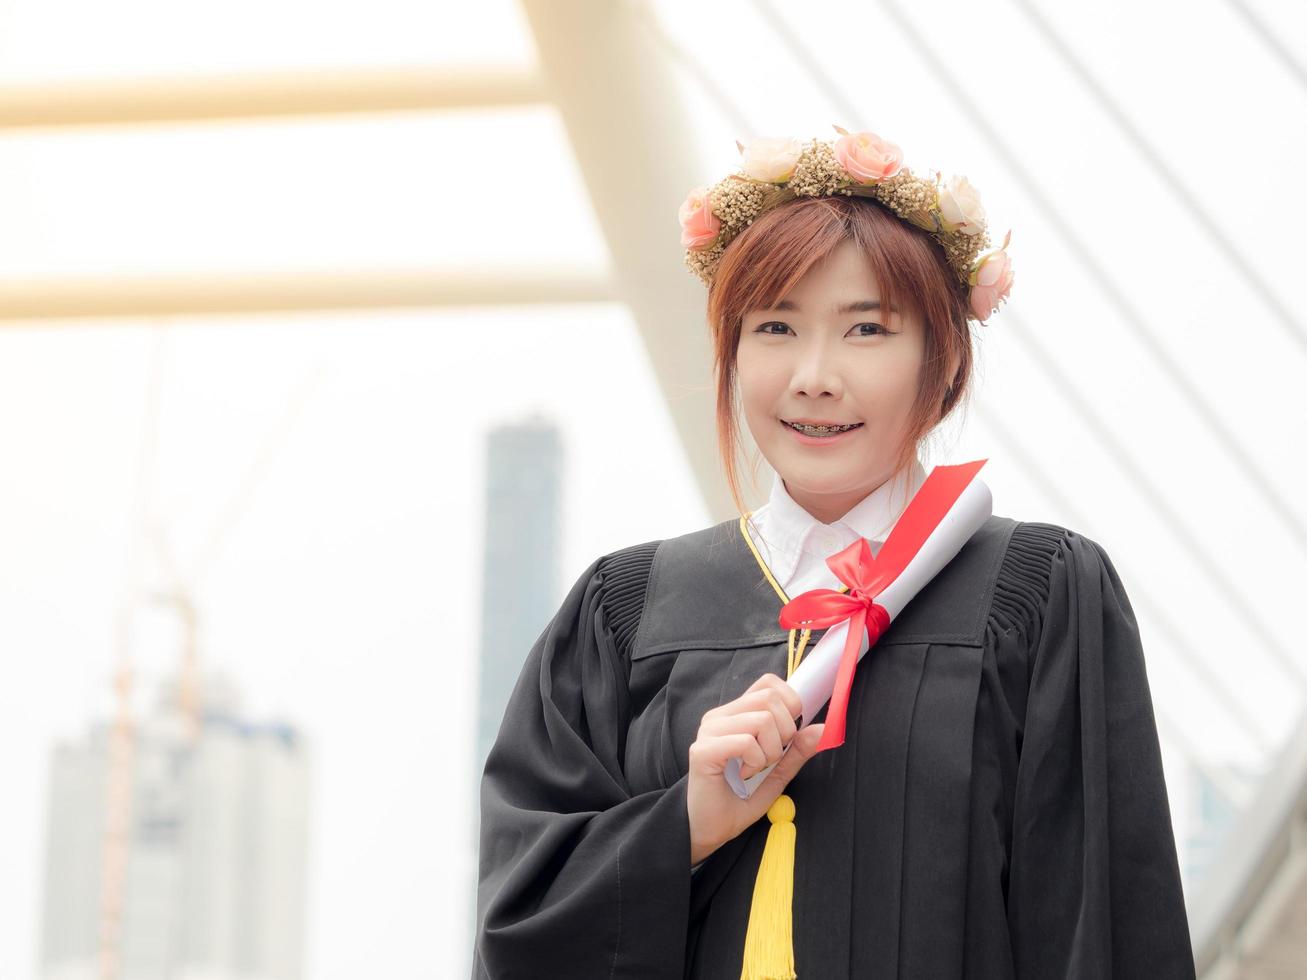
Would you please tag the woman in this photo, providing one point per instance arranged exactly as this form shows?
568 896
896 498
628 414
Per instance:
998 808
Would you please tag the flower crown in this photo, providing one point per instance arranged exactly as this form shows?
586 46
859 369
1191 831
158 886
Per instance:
776 170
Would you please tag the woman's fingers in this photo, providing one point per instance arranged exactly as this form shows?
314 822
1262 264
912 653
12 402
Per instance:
761 724
766 712
781 711
712 753
789 696
773 694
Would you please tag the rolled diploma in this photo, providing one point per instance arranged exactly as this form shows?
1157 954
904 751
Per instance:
814 678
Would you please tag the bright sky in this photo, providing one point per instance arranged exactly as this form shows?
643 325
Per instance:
356 552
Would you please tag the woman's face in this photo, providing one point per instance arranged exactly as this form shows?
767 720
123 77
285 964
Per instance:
827 353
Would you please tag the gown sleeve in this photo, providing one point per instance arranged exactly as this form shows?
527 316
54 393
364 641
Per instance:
578 877
1094 884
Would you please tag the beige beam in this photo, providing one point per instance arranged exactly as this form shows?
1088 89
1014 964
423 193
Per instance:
632 140
199 295
245 96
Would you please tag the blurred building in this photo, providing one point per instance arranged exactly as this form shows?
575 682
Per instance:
520 569
519 575
214 880
1214 808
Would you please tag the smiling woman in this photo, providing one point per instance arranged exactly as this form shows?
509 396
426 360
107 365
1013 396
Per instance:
991 805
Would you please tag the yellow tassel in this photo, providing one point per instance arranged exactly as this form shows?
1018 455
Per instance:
769 943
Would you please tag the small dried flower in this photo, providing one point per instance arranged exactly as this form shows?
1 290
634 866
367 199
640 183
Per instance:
818 172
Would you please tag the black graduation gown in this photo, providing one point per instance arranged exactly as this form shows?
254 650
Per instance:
997 810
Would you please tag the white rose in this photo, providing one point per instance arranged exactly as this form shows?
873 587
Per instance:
960 207
771 158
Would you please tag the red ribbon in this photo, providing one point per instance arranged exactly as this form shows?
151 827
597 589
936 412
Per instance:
867 576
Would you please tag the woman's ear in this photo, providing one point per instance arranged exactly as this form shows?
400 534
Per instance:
954 365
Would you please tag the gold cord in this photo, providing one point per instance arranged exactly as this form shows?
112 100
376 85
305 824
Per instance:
794 655
769 939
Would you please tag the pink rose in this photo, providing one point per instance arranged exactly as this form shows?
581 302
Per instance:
699 226
991 281
866 157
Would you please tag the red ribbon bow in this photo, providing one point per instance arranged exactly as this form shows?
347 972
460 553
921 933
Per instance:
817 608
867 576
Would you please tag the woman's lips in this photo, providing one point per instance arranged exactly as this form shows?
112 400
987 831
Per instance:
808 440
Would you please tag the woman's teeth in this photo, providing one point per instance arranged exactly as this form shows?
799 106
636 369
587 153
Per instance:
821 430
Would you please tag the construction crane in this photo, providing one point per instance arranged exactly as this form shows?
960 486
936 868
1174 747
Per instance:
179 596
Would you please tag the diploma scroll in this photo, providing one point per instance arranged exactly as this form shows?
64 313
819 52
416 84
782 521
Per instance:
814 678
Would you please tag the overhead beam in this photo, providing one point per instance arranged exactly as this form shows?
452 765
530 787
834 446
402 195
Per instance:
202 98
632 140
68 298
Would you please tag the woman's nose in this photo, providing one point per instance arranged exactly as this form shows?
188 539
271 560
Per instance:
816 373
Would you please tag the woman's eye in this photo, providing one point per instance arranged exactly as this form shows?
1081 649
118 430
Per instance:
762 327
879 328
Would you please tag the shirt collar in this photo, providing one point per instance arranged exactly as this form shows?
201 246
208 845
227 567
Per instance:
790 530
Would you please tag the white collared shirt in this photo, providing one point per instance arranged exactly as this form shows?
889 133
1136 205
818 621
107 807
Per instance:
795 545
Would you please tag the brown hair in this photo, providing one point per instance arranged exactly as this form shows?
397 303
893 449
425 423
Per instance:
772 254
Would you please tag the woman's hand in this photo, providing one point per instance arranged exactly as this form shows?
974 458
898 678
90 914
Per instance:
756 726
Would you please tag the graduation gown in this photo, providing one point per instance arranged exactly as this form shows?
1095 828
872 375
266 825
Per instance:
997 811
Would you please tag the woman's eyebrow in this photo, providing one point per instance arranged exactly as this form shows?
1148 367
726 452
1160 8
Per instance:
857 306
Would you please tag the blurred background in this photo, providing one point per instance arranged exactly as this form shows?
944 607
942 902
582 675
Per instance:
336 340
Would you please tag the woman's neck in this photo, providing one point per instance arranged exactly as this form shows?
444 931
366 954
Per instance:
829 508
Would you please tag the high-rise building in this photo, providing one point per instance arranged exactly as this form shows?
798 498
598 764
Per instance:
520 566
1214 807
519 572
213 887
